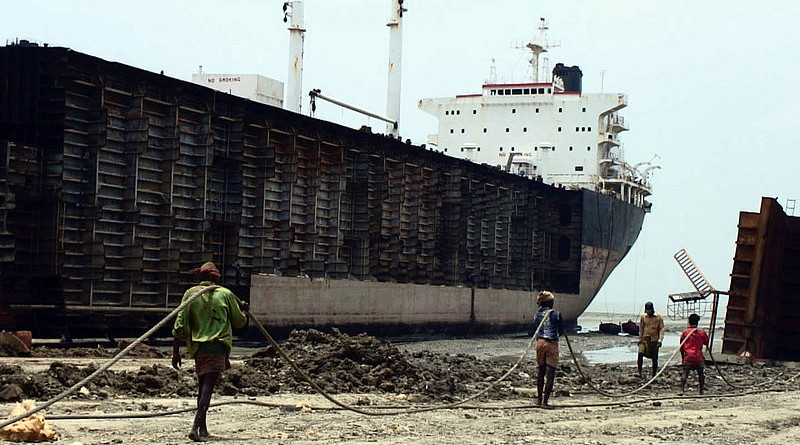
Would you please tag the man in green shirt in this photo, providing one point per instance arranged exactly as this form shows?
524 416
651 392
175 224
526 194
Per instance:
205 325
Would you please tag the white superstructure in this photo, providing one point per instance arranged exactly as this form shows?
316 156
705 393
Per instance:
548 130
250 86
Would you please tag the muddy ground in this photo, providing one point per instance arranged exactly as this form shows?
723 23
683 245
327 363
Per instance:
265 401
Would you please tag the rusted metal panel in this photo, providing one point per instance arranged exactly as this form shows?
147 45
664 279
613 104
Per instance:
764 294
141 177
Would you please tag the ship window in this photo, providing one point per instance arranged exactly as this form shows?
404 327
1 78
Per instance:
524 129
445 149
536 148
527 91
446 112
513 111
560 109
474 111
508 92
512 148
583 128
553 147
577 129
549 90
516 91
494 92
479 149
506 129
583 109
588 128
563 248
541 90
458 112
570 148
588 148
484 130
578 168
559 129
451 131
537 110
462 130
501 148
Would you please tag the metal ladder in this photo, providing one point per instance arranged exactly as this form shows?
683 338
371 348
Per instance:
790 206
681 305
699 281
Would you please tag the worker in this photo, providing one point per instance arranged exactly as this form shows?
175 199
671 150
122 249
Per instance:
692 352
205 325
552 326
651 334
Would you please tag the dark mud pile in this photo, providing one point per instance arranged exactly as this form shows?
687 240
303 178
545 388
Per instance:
339 363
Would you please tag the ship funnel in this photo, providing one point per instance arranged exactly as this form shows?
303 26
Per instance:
571 76
294 85
395 56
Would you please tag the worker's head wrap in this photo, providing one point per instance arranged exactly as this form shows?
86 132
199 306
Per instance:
648 307
207 272
544 297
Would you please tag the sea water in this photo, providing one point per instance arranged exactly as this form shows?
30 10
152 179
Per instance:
590 323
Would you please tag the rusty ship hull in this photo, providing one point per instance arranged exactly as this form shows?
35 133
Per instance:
117 181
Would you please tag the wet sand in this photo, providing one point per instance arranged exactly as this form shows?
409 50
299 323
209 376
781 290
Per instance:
431 373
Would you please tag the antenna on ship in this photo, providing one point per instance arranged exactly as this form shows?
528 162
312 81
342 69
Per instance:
294 83
538 46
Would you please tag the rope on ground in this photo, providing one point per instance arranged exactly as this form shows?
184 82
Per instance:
336 402
626 394
115 359
754 385
469 407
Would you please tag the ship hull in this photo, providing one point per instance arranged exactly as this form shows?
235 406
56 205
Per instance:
117 182
610 227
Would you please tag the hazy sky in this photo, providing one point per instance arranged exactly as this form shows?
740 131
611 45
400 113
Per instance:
711 88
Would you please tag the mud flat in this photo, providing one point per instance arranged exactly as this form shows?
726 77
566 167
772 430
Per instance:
262 400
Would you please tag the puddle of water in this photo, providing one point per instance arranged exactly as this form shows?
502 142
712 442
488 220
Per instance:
628 353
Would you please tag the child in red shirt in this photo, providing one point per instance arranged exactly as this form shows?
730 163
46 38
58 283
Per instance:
692 352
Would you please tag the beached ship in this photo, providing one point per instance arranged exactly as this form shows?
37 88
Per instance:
115 182
547 129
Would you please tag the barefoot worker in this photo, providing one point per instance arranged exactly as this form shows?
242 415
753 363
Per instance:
546 345
205 325
651 334
692 352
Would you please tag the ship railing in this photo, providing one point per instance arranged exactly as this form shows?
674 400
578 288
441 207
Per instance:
616 124
573 181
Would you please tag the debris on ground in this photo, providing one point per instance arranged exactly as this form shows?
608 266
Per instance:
338 363
33 428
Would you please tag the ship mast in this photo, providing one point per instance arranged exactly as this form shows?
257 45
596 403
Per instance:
294 84
540 45
395 56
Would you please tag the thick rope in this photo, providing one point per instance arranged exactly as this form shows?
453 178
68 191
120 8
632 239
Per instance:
634 391
115 359
336 402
